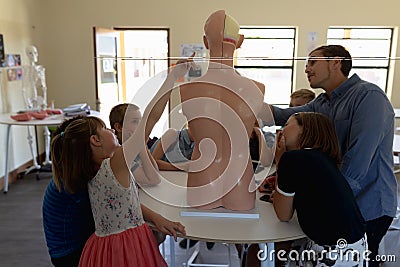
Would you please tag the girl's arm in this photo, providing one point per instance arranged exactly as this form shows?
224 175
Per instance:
152 160
280 148
283 202
162 224
168 139
124 156
147 174
283 205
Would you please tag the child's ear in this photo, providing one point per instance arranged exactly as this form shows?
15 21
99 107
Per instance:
95 140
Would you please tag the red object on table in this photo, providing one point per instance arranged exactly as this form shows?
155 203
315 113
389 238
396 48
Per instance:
22 117
54 111
39 115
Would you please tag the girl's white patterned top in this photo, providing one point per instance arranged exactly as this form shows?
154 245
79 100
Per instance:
114 207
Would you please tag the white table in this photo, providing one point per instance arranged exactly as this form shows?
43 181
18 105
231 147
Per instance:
265 230
51 120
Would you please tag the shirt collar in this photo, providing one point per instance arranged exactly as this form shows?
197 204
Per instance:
345 86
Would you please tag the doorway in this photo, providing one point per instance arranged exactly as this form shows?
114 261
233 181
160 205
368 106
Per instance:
125 58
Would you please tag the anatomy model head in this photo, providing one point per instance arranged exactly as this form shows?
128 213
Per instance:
32 53
221 28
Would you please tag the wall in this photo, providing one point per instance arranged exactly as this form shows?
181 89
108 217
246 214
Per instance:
16 25
67 49
62 30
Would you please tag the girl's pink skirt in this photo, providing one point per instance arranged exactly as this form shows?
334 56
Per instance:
133 247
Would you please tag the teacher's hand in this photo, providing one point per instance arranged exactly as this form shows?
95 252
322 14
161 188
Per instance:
280 146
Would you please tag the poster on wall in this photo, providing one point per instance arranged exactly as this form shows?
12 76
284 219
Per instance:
14 74
13 60
186 50
312 41
2 59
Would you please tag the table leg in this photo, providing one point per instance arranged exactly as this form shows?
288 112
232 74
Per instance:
229 254
172 250
187 252
35 164
8 136
47 145
163 249
268 258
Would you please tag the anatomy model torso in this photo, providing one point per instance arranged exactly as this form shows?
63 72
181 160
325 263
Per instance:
221 109
221 118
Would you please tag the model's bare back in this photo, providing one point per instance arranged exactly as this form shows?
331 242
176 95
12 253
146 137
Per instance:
221 109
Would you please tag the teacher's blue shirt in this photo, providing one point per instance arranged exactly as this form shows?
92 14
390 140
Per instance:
363 118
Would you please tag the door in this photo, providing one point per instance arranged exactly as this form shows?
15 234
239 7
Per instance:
125 59
106 43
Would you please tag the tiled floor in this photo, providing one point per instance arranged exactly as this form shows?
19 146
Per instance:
22 240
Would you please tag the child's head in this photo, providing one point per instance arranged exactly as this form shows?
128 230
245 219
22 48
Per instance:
311 130
301 97
127 112
72 155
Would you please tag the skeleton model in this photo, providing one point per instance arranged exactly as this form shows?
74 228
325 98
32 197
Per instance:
32 79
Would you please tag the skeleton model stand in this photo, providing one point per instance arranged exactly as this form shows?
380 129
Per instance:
33 79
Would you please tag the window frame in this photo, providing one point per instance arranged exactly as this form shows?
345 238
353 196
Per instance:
291 67
387 68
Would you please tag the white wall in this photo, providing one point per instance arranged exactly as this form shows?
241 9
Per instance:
16 23
67 46
62 31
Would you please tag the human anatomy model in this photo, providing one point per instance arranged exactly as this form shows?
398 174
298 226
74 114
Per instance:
32 80
221 109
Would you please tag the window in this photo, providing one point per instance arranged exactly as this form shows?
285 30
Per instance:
370 49
267 56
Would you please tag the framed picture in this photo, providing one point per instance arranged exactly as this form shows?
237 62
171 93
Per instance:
2 59
14 74
13 60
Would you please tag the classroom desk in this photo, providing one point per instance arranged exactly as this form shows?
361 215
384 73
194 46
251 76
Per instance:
51 120
265 230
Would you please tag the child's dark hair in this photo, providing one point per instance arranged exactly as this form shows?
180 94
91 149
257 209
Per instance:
318 132
72 161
